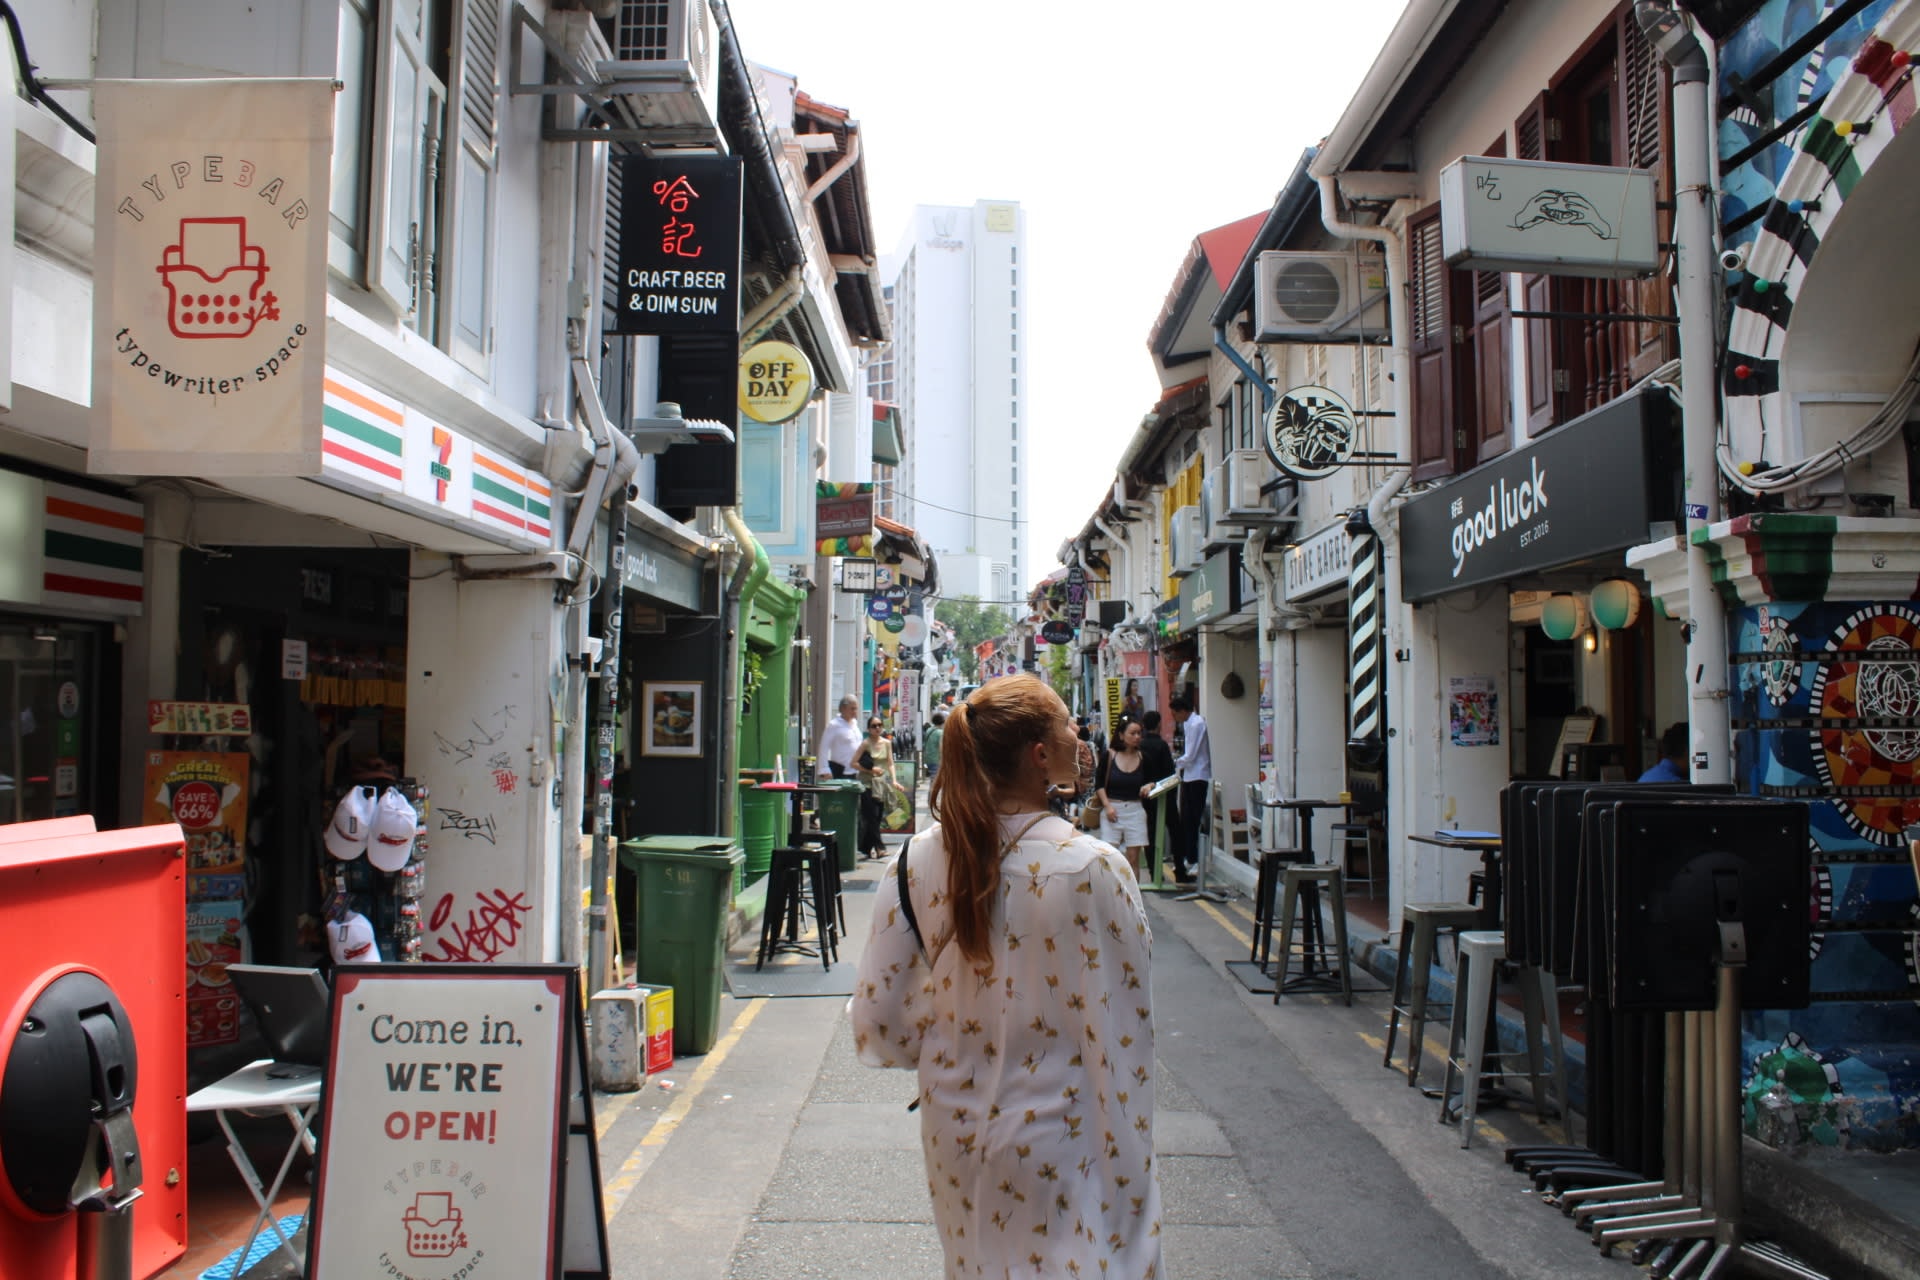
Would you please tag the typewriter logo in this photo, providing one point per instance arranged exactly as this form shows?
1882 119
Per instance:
214 280
433 1226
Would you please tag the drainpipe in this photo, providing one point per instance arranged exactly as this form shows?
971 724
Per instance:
740 591
1119 540
848 158
1239 362
772 309
1708 724
1399 772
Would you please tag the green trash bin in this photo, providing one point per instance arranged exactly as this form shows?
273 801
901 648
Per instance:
685 886
840 814
763 818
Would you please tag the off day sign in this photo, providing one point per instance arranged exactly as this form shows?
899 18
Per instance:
446 1111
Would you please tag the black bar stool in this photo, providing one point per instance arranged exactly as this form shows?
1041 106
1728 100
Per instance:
796 885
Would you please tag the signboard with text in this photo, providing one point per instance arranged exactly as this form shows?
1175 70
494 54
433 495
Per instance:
209 270
452 1091
1564 219
679 245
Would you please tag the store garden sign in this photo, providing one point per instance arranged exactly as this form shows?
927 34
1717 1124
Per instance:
210 259
459 1134
679 263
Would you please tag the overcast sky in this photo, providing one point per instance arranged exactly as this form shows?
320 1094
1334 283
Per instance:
1122 129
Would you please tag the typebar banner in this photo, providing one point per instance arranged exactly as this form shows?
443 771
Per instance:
210 261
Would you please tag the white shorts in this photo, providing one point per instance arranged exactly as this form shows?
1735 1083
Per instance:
1123 824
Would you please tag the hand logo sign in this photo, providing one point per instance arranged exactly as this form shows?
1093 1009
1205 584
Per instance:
1562 209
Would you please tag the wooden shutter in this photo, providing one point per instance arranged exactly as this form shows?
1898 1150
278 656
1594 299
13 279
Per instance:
1433 390
1644 143
469 217
1491 403
1530 137
399 155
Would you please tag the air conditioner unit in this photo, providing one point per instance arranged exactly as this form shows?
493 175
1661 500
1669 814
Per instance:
1185 545
1247 472
1214 533
666 68
1299 296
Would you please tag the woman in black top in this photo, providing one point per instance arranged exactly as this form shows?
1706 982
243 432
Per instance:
1123 819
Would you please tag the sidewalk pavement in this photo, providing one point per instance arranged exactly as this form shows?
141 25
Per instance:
1285 1149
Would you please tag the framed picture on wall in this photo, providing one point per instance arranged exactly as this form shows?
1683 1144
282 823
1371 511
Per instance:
670 717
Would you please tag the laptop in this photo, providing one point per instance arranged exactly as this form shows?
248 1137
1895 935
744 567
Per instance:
291 1007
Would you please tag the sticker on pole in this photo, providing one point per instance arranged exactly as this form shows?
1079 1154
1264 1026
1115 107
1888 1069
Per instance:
449 1119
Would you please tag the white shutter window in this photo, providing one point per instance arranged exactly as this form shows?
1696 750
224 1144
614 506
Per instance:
400 128
352 111
470 212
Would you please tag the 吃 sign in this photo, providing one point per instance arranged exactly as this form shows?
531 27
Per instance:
459 1132
679 245
1562 219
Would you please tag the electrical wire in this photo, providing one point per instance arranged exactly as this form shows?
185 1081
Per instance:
971 515
31 82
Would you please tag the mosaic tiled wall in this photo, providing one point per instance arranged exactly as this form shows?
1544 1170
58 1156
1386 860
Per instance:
1827 709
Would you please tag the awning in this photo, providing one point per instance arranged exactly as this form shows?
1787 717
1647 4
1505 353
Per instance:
887 445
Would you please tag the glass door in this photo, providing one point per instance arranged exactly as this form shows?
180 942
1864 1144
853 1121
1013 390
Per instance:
50 713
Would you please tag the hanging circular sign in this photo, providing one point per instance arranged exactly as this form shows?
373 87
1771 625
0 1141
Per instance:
776 381
1310 432
1056 631
878 606
913 632
895 623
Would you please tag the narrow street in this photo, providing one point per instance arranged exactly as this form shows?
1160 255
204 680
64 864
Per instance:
778 1155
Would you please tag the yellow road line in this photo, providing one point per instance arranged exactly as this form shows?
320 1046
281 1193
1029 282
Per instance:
1220 917
621 1185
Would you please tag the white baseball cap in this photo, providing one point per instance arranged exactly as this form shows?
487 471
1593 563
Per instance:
393 826
350 938
352 824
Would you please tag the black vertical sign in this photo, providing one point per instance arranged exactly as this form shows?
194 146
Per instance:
679 245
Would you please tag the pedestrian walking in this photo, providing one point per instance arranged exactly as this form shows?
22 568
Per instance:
874 764
1195 766
1158 758
1123 817
930 749
1014 977
841 738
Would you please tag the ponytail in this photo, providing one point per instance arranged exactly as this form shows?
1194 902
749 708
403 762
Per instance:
980 756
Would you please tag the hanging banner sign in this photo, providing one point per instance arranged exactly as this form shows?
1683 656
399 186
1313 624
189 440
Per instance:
843 518
679 245
1564 219
209 718
1056 631
1310 432
1076 594
210 261
453 1096
776 381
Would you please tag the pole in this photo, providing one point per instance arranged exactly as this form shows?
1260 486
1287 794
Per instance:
606 710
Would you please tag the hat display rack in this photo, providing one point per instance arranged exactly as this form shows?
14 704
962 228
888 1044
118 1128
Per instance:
375 876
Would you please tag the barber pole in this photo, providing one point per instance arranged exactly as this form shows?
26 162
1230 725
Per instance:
1364 649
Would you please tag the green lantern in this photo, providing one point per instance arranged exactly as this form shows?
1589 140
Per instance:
1562 616
1616 604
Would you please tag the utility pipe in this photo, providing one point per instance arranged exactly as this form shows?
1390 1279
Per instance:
1708 724
848 158
741 588
1239 362
1120 542
772 309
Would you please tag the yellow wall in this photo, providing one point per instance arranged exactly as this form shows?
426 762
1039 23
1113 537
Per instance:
1183 492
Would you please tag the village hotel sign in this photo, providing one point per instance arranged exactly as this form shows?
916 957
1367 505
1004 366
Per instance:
1587 489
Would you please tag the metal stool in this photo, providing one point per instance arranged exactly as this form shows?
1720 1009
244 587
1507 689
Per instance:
796 883
1421 924
1482 951
1301 890
1266 896
1346 836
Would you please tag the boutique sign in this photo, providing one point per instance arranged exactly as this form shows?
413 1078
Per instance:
1589 488
210 235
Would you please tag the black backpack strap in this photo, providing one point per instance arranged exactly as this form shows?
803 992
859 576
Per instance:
906 899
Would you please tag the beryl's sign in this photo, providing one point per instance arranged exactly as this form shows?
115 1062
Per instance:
679 245
210 257
1587 489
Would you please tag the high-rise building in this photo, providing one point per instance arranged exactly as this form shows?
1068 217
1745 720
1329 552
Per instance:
956 370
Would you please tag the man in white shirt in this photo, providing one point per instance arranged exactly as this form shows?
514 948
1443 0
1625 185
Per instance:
841 738
1196 780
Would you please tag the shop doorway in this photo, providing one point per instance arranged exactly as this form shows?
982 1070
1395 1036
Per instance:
59 693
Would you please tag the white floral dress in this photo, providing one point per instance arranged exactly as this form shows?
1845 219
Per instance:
1036 1082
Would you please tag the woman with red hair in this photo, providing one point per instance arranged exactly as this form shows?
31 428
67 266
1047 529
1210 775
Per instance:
1014 978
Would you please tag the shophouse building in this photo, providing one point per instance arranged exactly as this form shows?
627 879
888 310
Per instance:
481 536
